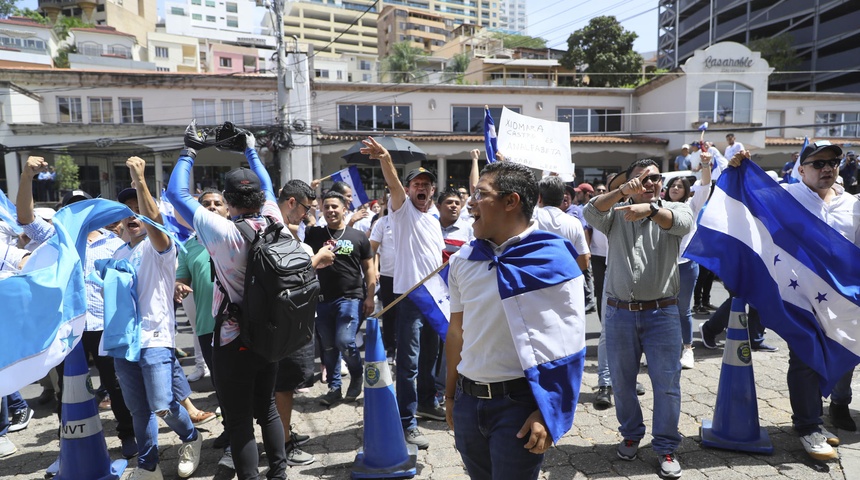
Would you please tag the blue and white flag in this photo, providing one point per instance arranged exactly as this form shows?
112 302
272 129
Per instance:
703 127
8 213
171 223
434 302
350 176
45 305
786 262
541 288
490 142
795 172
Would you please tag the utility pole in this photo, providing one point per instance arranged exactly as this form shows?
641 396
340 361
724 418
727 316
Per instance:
285 82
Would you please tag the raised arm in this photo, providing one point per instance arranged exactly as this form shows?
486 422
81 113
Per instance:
146 204
257 167
178 187
378 152
475 172
24 201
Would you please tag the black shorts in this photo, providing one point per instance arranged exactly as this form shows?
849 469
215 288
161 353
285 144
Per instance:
296 370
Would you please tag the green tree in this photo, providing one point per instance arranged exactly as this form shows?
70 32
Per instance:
7 7
401 65
64 24
779 52
31 14
604 50
510 40
67 173
456 67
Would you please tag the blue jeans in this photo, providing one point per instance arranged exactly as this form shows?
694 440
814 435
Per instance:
179 382
4 416
16 402
417 348
604 379
688 272
336 324
147 387
841 393
805 396
719 321
485 434
657 333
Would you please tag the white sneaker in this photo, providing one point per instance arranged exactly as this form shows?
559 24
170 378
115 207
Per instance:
189 456
817 447
143 474
687 360
832 439
6 447
198 374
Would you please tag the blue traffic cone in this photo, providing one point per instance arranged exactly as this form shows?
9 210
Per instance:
385 453
736 425
83 450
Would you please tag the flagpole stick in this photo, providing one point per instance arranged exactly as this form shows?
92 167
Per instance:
402 296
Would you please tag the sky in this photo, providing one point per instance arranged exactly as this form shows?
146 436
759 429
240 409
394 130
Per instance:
555 20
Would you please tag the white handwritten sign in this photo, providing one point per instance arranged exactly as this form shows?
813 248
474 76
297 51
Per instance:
534 142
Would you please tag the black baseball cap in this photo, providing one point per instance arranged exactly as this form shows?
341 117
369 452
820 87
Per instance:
126 194
241 180
818 147
420 171
75 196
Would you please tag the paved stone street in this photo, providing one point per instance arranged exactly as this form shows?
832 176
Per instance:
587 451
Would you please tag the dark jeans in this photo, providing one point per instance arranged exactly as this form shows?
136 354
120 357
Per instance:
485 434
245 383
719 321
598 267
386 295
805 396
4 416
702 292
417 348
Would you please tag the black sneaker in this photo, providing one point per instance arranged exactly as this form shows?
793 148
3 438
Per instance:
840 417
708 341
333 396
297 457
415 437
354 389
604 398
20 419
763 347
434 412
297 438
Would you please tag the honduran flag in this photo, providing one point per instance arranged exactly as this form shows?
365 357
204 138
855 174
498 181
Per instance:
431 297
541 288
351 177
8 213
786 262
490 141
45 305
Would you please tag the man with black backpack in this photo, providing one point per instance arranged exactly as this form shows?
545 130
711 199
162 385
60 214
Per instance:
245 365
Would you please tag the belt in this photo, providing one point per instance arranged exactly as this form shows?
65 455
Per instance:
490 390
640 306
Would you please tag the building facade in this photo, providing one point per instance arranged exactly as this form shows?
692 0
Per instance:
824 34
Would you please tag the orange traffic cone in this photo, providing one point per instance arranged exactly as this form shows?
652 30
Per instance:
385 453
83 450
736 425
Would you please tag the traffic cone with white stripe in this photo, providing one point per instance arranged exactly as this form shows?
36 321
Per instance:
83 450
736 425
385 453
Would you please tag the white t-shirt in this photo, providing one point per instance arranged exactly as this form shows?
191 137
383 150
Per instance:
383 234
363 225
156 273
418 244
696 202
229 252
554 220
732 149
842 213
10 257
599 243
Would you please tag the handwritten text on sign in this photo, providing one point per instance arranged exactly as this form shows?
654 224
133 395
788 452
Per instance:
535 143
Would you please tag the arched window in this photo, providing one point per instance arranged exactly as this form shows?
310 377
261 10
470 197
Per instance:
725 102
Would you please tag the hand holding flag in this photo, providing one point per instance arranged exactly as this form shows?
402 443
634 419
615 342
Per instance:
351 177
490 143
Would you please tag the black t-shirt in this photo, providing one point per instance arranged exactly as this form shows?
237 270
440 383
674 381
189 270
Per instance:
344 277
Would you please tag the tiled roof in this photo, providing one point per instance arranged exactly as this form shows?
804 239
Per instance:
102 30
443 137
22 21
797 142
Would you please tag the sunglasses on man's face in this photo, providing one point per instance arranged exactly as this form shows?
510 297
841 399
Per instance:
819 164
653 178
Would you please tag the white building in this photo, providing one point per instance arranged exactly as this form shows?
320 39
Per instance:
105 48
26 43
232 21
513 16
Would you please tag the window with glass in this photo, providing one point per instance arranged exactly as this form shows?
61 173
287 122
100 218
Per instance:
829 127
131 110
69 110
366 77
470 119
210 18
232 7
320 73
162 52
262 112
232 22
226 62
210 3
233 111
196 16
374 117
591 120
725 102
204 111
101 110
177 11
364 65
196 2
162 69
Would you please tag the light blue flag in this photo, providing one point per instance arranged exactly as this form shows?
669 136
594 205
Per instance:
541 288
786 262
44 306
490 140
8 213
795 172
351 177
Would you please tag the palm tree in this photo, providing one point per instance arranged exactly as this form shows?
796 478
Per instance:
401 65
456 67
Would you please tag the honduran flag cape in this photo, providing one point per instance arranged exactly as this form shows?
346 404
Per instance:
541 288
45 305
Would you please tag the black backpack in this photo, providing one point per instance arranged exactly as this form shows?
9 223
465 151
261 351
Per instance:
276 316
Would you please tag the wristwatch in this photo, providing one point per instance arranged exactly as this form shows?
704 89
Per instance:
654 210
